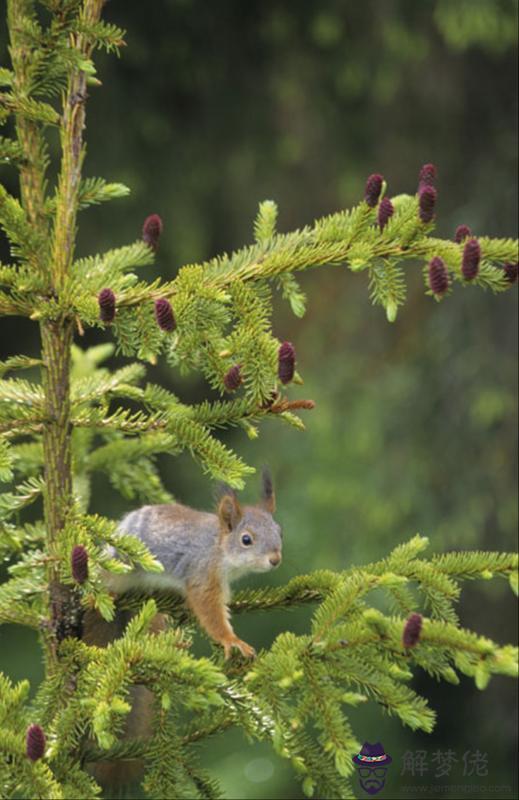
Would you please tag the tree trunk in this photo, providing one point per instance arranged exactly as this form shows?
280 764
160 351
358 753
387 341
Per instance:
56 341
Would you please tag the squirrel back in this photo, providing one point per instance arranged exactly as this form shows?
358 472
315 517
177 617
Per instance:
192 545
201 554
184 540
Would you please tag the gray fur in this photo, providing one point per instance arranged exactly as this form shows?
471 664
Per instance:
191 544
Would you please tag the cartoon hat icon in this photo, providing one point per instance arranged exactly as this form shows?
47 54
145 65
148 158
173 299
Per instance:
372 755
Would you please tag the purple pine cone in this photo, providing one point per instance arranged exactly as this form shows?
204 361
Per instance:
427 176
385 212
79 563
286 362
511 272
34 742
232 378
427 202
471 259
373 189
438 276
151 230
462 232
164 315
106 300
412 630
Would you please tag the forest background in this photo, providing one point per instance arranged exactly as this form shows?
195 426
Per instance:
215 107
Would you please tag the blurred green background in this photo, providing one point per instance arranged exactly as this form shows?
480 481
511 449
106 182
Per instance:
216 106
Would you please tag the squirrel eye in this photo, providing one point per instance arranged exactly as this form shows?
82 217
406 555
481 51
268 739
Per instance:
246 539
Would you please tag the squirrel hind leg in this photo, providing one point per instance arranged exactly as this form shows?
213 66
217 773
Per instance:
208 605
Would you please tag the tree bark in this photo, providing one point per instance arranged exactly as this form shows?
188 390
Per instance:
56 338
56 341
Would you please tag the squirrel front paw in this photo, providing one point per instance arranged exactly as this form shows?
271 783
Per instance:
245 649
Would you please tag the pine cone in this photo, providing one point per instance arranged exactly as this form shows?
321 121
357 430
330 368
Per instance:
106 300
164 315
427 176
151 230
385 212
427 202
34 742
462 232
412 630
511 272
79 563
471 259
286 362
232 378
438 276
373 189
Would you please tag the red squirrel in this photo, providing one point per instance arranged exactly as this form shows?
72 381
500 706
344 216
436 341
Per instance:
201 554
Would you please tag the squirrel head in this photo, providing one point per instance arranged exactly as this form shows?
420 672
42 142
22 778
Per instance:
251 539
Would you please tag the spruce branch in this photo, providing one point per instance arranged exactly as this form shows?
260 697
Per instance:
81 418
32 156
73 121
336 239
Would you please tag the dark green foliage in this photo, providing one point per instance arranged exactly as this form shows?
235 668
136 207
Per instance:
211 318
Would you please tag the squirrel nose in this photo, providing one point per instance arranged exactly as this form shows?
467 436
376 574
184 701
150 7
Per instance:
275 559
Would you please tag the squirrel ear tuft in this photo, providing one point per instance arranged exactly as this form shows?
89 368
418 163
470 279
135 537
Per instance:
229 511
268 496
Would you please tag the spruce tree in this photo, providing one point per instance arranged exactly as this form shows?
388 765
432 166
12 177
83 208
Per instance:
81 418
